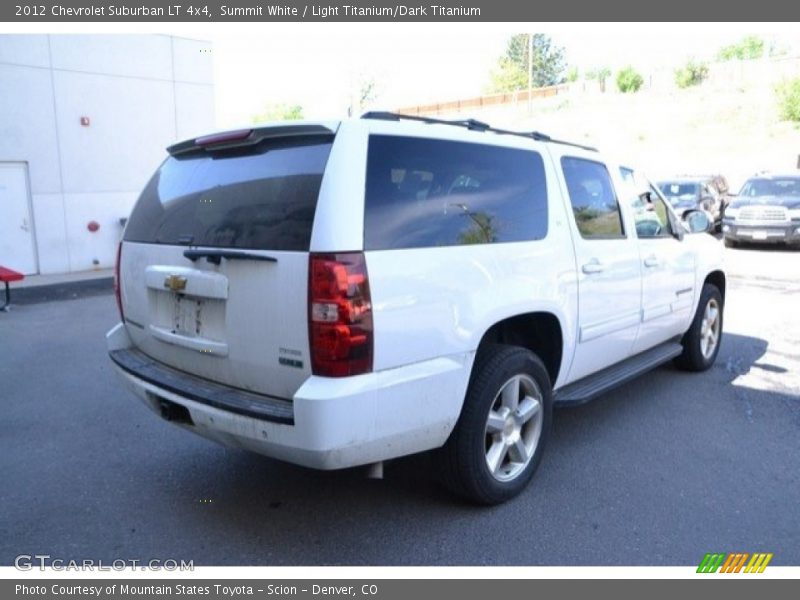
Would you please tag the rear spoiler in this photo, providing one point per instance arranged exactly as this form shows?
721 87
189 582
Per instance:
246 137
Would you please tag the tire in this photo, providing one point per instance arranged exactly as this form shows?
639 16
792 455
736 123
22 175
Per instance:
513 440
697 355
730 243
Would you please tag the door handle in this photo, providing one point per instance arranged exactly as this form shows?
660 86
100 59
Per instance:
24 225
652 261
593 266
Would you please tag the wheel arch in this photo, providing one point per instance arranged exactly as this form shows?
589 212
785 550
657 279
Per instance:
541 332
717 278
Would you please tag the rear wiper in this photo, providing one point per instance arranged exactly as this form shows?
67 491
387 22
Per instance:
216 256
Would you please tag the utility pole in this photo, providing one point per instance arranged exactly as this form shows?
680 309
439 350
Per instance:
530 73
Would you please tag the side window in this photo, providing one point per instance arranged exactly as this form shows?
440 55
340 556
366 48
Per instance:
649 209
650 215
594 202
424 193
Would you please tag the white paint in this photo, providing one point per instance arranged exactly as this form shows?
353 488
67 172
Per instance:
145 56
90 250
27 50
28 124
131 87
17 250
431 309
51 233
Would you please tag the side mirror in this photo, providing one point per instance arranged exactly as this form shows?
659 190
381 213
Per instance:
698 221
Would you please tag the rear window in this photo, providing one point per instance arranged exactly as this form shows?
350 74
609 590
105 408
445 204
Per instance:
262 199
424 193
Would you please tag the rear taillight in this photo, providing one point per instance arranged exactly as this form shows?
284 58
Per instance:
339 315
118 282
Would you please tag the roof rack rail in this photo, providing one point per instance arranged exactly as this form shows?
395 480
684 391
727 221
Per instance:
472 125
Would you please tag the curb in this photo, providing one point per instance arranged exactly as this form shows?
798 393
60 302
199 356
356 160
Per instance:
61 291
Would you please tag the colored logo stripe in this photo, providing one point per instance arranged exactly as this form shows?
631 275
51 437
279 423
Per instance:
710 563
758 563
733 562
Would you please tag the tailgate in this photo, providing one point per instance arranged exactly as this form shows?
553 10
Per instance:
214 261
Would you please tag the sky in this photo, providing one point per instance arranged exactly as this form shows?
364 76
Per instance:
319 66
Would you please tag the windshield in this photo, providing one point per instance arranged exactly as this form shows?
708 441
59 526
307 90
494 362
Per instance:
677 191
788 186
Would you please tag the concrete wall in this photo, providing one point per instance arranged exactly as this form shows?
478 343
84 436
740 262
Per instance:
140 92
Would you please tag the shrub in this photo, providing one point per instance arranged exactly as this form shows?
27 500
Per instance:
573 74
629 80
693 73
788 94
747 48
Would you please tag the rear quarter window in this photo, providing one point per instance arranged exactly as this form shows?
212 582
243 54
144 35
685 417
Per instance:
262 198
426 193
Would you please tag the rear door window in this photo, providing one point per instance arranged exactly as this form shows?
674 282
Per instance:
594 202
262 198
426 193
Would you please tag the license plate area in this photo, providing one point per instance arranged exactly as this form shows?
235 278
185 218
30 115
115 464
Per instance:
187 316
185 320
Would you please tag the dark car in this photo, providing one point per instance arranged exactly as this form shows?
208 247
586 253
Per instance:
692 193
767 209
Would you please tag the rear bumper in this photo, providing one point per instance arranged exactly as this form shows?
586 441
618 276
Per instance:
762 232
328 424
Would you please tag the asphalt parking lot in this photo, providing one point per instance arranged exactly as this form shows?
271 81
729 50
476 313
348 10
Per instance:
660 472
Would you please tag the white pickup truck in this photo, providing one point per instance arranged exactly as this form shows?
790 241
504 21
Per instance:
337 294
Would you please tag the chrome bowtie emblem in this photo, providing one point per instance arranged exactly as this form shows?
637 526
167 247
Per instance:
176 283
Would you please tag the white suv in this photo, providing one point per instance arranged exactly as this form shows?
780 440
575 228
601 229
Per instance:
340 294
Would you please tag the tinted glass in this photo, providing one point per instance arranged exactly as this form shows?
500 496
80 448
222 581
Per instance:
677 191
788 186
264 199
424 193
649 208
594 202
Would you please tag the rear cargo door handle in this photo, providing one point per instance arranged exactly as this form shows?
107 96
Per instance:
652 262
593 266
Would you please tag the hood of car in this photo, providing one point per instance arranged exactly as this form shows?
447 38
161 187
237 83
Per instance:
684 201
785 201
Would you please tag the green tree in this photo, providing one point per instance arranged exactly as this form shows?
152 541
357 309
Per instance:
547 67
279 112
629 80
573 74
747 48
788 94
483 229
692 73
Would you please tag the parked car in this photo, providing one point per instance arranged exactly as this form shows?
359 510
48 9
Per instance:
341 294
767 209
690 193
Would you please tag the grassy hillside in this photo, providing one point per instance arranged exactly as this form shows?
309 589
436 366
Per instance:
728 125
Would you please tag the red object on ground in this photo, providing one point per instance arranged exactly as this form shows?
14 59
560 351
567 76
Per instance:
6 276
93 226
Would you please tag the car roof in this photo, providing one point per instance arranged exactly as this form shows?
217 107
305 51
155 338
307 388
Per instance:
683 179
784 175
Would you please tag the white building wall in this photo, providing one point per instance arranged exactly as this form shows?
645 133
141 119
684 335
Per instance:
140 92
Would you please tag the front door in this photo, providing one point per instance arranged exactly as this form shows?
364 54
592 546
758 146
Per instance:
17 249
667 273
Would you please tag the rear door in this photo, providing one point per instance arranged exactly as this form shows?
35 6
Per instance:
609 272
214 260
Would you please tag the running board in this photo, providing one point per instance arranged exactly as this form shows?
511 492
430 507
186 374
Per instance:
592 386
